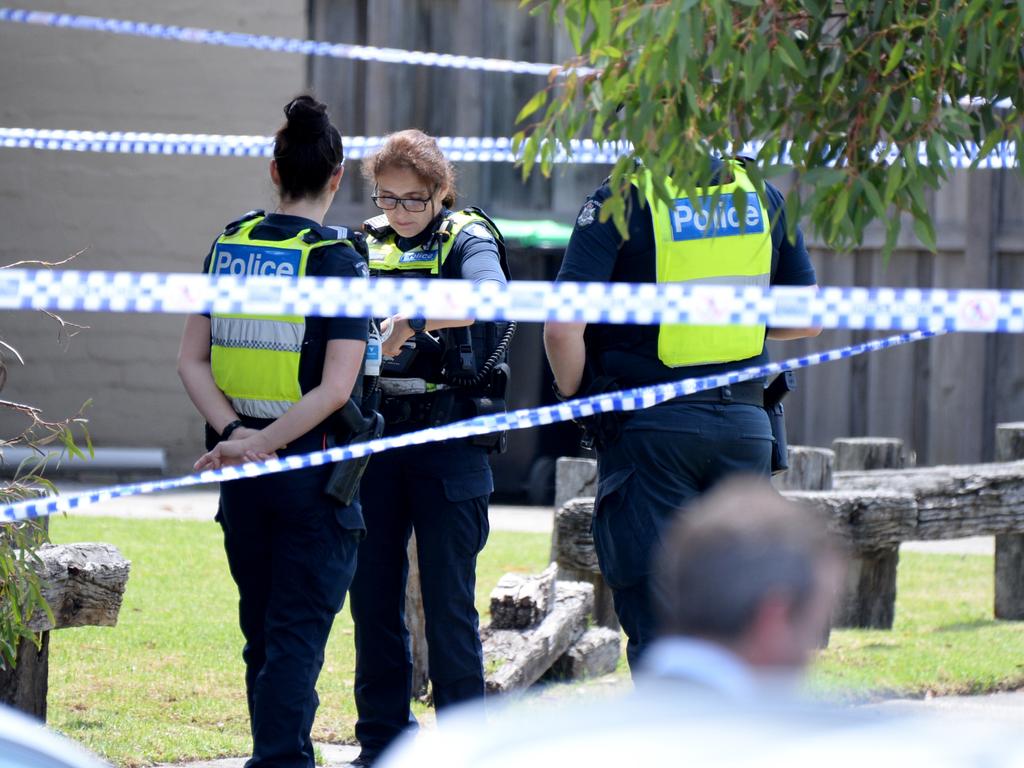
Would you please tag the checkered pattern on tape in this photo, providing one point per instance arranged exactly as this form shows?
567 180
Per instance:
628 400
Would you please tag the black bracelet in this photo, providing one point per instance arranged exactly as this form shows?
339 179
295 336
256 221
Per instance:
558 393
226 432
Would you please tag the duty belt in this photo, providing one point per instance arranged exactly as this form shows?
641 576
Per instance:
744 393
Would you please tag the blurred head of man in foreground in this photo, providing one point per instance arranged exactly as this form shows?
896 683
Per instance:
745 578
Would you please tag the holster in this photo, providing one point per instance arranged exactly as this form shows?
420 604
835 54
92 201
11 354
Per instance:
357 427
779 387
601 430
493 400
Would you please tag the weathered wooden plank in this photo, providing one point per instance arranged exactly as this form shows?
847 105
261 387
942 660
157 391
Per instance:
953 501
520 601
596 653
866 520
82 583
515 659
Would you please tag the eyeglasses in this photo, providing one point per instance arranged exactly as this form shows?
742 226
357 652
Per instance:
411 204
388 203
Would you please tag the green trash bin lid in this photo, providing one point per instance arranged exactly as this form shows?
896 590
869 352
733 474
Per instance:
543 233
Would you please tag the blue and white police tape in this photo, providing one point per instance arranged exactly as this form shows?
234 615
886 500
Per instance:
627 400
280 44
470 149
899 309
479 149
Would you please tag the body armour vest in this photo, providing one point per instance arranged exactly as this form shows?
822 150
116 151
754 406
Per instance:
466 349
255 358
724 242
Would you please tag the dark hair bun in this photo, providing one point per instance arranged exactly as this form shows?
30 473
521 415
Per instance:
307 119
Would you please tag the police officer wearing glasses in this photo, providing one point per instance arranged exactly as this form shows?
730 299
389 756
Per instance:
651 462
435 371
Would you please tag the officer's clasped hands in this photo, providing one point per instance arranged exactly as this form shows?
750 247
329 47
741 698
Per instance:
243 445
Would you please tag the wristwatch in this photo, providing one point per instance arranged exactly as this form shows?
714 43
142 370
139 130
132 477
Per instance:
417 324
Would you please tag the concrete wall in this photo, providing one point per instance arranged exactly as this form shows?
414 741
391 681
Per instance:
130 212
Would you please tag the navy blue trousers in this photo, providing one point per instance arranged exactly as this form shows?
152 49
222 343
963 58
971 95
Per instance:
292 561
441 492
665 456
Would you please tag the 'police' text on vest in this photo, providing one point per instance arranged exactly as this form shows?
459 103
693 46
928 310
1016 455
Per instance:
253 260
724 221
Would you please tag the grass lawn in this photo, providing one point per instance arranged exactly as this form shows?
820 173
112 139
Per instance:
166 683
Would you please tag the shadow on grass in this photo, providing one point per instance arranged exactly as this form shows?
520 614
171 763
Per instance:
967 626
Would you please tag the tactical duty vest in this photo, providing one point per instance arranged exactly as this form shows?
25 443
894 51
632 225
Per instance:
729 245
426 260
255 358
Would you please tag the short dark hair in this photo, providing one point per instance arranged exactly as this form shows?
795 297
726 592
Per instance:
731 549
307 148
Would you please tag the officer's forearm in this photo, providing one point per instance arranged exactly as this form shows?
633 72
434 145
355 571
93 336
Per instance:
788 334
567 354
194 372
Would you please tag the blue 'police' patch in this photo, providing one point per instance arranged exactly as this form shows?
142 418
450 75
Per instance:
690 223
417 257
236 259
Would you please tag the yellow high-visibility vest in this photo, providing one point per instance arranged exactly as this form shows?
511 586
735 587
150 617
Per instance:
725 246
255 358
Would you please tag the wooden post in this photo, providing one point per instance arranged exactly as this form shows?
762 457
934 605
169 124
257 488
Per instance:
869 598
416 623
572 546
1009 565
83 584
810 469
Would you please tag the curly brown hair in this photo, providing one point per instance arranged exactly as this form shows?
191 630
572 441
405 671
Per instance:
415 150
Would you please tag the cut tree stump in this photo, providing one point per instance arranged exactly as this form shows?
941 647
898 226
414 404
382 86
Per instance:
521 601
855 453
83 584
1009 567
810 469
577 558
596 653
517 658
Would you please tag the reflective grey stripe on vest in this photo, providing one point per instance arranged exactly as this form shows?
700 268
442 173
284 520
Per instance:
740 281
250 333
260 409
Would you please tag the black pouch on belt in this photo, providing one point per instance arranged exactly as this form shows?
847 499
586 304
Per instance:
780 386
493 401
359 428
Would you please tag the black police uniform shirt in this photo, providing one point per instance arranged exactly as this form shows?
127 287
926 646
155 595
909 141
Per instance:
598 253
336 260
474 254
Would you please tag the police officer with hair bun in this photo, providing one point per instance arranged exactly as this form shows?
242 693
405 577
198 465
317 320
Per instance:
435 371
275 386
650 462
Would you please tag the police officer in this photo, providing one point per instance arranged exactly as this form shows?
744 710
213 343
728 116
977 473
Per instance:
434 372
274 385
652 461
